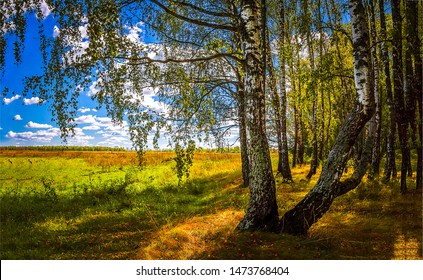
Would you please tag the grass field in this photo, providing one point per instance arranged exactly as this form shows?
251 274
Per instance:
100 205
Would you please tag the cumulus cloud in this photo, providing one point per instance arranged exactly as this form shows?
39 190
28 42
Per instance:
79 138
43 136
86 119
84 110
150 103
104 124
93 89
91 127
115 141
56 31
37 125
7 101
134 32
45 9
32 101
17 118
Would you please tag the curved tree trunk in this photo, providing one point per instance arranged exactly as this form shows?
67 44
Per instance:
316 203
262 211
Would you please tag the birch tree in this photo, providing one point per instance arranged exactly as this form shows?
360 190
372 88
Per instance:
262 211
317 202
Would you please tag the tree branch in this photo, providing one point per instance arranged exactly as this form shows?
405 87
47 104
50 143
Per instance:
136 61
191 20
204 11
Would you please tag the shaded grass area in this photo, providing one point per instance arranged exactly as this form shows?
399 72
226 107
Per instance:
74 208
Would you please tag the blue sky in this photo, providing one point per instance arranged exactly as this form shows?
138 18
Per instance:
27 121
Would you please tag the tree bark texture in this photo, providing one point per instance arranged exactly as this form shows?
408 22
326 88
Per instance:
317 202
414 83
401 114
313 165
390 167
375 122
276 104
262 211
285 169
245 162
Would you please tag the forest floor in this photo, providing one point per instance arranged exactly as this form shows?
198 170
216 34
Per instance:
100 205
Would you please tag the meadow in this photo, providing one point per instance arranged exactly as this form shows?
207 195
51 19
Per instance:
101 205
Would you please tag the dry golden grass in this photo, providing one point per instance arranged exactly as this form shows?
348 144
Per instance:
192 237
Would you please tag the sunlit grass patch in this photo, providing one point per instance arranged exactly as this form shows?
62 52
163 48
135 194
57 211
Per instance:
192 237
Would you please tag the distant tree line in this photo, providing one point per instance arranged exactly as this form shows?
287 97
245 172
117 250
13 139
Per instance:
63 148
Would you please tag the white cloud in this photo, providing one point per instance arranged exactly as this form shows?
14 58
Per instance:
91 127
104 124
150 103
32 101
37 125
116 141
80 140
86 119
93 89
44 136
105 121
45 9
56 31
7 101
1 128
83 31
134 32
84 110
17 118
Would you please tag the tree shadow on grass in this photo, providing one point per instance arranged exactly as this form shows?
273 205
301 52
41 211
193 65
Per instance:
365 224
110 220
197 221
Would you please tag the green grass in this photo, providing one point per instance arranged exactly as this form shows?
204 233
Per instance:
81 206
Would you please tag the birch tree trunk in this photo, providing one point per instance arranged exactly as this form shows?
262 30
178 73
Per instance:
316 203
262 211
375 122
314 89
245 162
285 169
276 104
